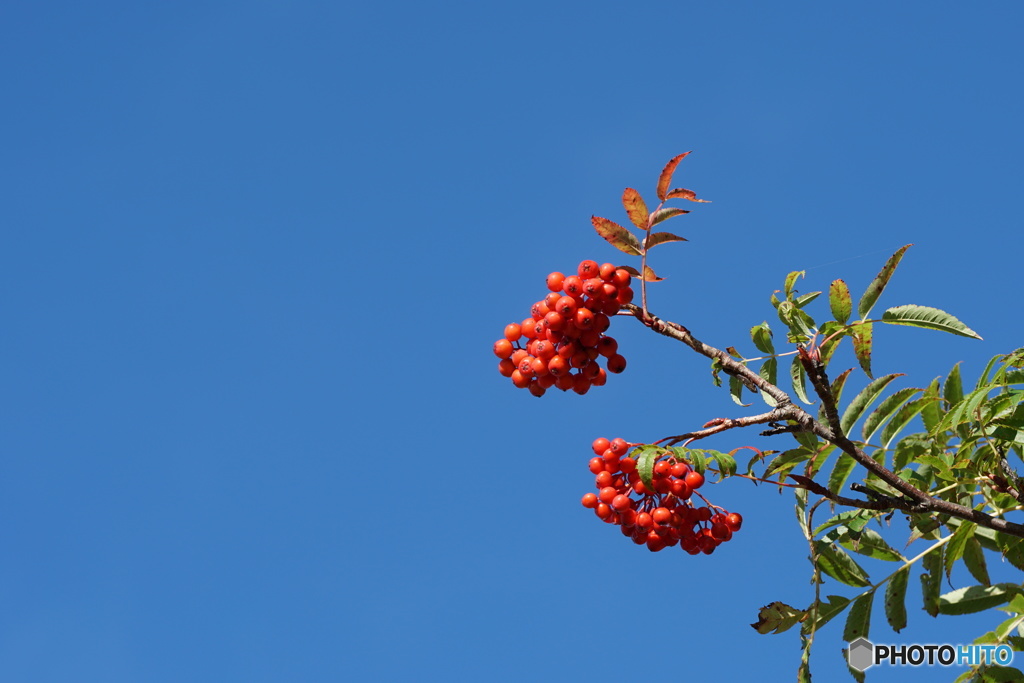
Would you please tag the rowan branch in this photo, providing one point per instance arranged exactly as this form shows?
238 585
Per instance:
915 500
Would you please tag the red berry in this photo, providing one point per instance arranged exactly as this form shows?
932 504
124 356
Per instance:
621 502
588 269
734 521
573 286
555 281
589 500
616 363
503 348
600 445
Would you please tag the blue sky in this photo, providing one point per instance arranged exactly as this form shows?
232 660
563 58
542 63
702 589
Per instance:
256 255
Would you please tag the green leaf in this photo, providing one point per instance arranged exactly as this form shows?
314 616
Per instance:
736 391
837 392
874 290
787 459
858 622
886 410
976 598
791 282
694 457
902 418
805 299
909 449
1012 549
845 464
645 460
657 238
931 580
864 399
896 599
636 209
957 544
862 335
964 411
826 611
840 566
839 301
995 673
953 388
761 335
932 411
928 318
974 559
799 376
867 542
617 236
725 462
830 343
983 377
769 372
852 519
776 617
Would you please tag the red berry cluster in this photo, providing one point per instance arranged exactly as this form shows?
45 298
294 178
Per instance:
566 332
660 518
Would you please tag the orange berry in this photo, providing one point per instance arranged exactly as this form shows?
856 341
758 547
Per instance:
587 269
503 348
519 379
558 366
506 367
555 281
616 363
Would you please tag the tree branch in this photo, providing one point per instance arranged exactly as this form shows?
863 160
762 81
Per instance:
916 500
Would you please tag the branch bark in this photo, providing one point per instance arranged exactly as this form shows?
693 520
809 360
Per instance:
915 500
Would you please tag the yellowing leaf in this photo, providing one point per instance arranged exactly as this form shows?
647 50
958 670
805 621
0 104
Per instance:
680 193
636 209
617 236
665 179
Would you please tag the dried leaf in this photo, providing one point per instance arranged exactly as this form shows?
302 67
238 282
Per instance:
636 209
680 193
657 238
665 179
617 236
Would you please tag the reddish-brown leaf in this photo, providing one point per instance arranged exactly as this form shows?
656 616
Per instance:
661 237
680 193
666 176
664 214
649 275
635 207
617 236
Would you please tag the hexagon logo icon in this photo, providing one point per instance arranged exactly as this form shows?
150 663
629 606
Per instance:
861 654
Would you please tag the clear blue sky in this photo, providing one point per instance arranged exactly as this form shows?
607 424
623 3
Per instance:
255 255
